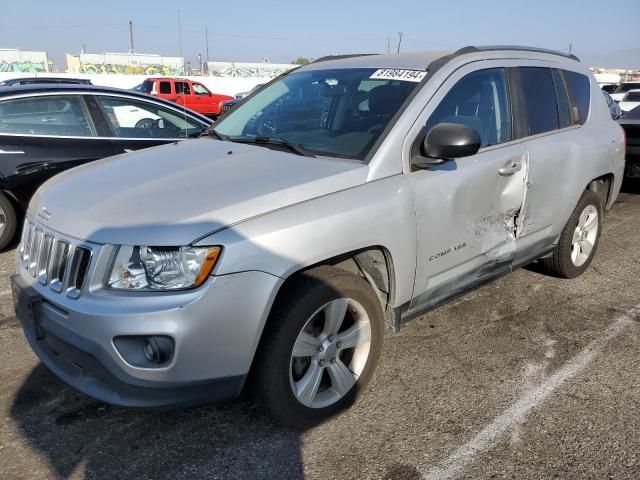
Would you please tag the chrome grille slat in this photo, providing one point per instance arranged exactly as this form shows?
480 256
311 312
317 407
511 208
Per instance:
36 240
43 258
61 263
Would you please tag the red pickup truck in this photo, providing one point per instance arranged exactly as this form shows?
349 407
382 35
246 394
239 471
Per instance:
193 95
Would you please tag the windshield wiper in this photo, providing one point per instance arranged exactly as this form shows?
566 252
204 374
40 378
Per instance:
210 132
261 140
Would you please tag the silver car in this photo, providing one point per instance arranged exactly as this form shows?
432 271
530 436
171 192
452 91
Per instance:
343 199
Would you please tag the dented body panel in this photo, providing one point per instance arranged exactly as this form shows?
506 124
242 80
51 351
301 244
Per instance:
435 231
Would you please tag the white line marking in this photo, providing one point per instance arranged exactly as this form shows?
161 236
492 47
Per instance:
516 414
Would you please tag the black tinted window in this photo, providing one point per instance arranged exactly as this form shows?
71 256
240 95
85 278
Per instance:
633 114
47 115
182 88
564 109
632 97
479 101
165 87
579 95
146 86
625 87
538 99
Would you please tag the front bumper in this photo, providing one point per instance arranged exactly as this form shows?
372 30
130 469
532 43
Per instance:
215 329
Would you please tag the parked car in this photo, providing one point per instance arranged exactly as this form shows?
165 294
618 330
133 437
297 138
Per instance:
631 124
623 88
630 101
609 87
45 129
14 82
345 198
193 95
226 106
242 95
614 108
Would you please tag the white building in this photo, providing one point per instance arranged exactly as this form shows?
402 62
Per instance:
21 61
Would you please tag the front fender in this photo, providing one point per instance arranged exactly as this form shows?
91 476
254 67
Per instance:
379 213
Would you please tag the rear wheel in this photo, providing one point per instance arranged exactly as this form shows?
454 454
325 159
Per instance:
321 347
8 221
579 239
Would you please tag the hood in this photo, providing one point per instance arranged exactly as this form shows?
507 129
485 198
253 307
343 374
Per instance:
174 194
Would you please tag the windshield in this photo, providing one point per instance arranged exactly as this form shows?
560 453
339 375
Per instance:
340 112
144 87
633 114
632 97
625 87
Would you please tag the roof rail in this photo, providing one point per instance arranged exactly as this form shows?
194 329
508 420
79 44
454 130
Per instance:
490 48
341 57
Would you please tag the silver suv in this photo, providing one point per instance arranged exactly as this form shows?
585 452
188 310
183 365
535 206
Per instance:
339 201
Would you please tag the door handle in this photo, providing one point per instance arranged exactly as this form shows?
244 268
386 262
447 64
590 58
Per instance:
10 152
512 168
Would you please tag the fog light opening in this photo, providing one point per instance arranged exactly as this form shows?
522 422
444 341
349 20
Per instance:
154 351
151 351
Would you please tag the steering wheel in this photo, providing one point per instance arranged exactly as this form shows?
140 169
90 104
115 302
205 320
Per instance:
148 123
269 126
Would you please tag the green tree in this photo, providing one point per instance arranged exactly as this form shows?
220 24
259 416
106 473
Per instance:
301 61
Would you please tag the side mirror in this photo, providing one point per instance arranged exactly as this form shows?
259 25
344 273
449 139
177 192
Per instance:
448 140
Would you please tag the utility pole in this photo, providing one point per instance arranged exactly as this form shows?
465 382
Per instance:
131 46
400 35
570 48
206 43
180 40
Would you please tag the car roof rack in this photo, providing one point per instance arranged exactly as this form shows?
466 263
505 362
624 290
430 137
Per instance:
491 48
342 57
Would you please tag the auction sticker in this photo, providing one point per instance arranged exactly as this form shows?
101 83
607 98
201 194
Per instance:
392 74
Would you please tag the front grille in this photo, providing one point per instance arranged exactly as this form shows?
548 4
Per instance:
56 262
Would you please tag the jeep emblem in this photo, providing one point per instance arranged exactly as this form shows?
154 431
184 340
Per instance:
44 214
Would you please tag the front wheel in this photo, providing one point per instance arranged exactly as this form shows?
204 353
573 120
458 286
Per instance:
579 239
8 221
321 347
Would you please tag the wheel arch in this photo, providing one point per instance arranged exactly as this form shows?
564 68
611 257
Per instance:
603 186
374 264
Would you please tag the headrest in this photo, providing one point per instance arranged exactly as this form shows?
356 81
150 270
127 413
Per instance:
383 99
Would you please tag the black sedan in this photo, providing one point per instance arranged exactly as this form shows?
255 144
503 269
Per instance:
14 82
630 121
45 129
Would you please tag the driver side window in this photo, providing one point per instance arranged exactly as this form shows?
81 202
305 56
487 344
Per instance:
480 101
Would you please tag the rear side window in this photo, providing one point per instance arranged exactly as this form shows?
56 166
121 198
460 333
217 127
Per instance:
564 109
165 87
65 116
182 88
536 101
579 95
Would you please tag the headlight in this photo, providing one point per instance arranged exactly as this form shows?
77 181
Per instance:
162 268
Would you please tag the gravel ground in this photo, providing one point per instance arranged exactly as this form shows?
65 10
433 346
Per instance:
528 377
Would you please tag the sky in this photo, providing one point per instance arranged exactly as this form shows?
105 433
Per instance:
281 31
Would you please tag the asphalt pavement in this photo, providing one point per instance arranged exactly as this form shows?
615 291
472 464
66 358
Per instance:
529 377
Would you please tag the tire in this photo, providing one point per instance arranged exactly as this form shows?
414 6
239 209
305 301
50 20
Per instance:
570 259
278 377
8 221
